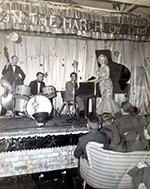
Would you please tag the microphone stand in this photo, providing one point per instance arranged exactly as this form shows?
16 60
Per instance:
74 106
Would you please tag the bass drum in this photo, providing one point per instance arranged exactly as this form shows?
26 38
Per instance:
38 104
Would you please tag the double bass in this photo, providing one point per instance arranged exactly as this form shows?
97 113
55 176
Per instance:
9 82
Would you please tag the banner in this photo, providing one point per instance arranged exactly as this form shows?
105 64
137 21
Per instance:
64 19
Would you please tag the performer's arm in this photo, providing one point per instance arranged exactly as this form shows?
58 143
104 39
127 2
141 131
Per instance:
22 74
6 69
31 85
97 80
69 87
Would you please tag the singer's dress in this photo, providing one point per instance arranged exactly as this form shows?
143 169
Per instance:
108 104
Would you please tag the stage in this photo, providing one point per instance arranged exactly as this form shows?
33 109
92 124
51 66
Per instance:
26 148
24 126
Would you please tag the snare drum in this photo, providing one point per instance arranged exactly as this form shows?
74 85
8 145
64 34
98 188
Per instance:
22 90
49 91
38 104
20 103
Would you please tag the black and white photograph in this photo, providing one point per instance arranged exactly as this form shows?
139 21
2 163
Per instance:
74 94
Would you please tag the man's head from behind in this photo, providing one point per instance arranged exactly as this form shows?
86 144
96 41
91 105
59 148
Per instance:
127 107
93 122
106 118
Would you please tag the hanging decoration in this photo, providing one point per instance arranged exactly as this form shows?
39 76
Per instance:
57 18
13 36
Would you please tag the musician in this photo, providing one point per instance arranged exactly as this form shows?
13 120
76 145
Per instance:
38 84
108 104
12 67
71 87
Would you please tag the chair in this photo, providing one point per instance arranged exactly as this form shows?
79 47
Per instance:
108 169
68 104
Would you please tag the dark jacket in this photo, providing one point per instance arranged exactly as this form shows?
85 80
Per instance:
141 175
132 126
117 141
92 136
18 71
34 88
69 90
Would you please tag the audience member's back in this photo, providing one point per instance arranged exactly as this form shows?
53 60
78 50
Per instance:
94 135
117 142
132 126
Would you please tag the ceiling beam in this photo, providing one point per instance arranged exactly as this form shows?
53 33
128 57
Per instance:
130 8
123 7
135 2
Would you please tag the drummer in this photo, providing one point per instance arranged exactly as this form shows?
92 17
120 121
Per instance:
38 84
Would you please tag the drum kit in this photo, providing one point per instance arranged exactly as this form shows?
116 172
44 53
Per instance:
17 96
37 107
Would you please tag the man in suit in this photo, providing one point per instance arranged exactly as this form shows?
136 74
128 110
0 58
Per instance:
70 93
12 67
12 70
38 84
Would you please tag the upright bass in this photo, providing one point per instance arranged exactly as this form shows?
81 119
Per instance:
9 82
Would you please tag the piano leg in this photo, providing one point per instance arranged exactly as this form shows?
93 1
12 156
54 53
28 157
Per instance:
86 107
94 105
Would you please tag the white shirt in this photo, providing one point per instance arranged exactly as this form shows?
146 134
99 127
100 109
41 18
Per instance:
14 68
38 87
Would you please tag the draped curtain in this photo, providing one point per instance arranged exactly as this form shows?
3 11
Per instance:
55 55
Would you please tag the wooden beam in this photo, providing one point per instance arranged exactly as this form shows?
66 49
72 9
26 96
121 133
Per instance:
130 8
122 8
135 2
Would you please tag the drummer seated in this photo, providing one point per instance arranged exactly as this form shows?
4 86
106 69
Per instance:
38 84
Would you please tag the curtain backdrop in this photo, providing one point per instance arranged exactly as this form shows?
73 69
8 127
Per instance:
56 54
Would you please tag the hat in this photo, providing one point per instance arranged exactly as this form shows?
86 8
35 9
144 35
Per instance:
127 107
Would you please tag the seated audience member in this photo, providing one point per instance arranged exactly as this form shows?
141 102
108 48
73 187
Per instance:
140 176
131 126
38 84
70 87
94 135
117 141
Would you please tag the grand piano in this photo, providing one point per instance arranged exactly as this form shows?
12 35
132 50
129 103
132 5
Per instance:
119 74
